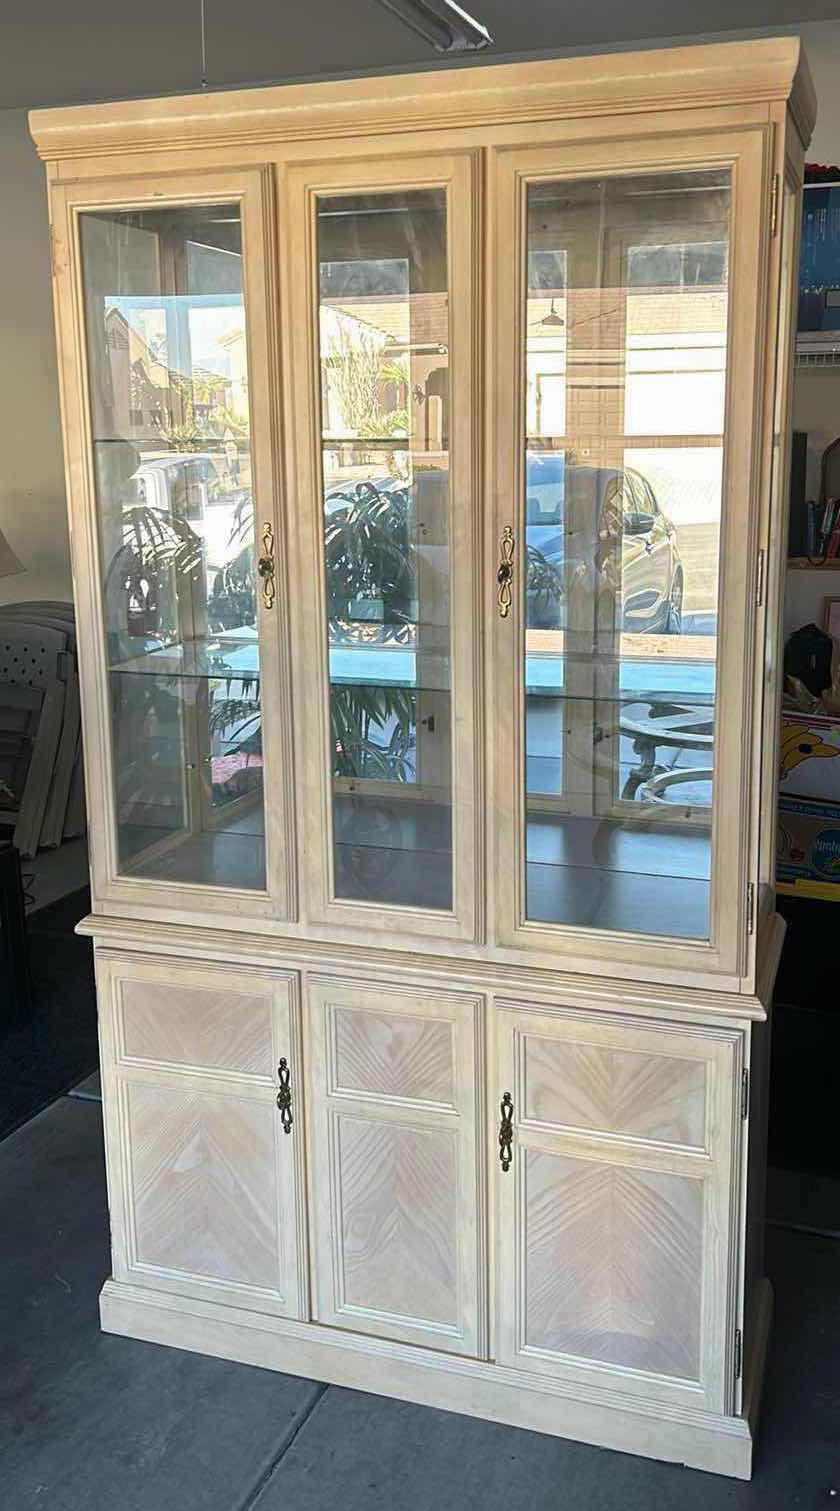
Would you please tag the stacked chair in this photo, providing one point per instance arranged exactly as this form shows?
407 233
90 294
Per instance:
41 781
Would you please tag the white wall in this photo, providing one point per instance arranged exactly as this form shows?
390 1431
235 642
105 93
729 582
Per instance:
32 497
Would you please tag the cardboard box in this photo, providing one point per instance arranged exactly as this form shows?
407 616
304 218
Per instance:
808 842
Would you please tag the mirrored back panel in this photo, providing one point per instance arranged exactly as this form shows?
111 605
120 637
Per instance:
170 419
385 418
625 362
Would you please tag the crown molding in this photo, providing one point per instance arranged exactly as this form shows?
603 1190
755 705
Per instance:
727 73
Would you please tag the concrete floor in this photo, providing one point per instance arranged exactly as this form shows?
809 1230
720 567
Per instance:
90 1422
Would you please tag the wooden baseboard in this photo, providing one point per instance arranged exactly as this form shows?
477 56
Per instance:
675 1434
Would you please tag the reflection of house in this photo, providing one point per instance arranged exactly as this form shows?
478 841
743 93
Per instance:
383 355
237 374
145 398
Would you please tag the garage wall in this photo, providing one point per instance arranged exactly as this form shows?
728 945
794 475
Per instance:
32 509
32 502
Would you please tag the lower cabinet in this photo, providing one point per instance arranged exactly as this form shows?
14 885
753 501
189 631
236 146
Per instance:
616 1211
397 1182
204 1169
606 1167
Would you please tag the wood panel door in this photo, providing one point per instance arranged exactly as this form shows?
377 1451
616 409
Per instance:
204 1168
617 1209
397 1186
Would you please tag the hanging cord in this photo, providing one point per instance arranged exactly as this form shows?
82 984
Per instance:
203 46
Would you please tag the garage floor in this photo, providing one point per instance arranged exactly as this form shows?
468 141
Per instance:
88 1421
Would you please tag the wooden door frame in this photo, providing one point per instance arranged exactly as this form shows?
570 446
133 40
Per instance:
747 152
252 188
303 184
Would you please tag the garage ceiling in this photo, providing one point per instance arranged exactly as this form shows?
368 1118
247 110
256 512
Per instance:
70 50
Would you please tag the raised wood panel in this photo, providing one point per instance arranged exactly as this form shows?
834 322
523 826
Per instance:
393 1055
218 1029
397 1187
640 1095
617 1218
399 1219
203 1184
613 1264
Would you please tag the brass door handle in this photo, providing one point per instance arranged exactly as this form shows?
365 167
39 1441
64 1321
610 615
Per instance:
506 1131
504 576
265 566
284 1095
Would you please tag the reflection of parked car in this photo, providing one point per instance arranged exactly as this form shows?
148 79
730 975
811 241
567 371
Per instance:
181 482
575 518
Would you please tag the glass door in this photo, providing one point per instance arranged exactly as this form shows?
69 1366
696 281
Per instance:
185 535
390 493
629 485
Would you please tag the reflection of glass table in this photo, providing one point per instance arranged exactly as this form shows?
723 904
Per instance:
670 725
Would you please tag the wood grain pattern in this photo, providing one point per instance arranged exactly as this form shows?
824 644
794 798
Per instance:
609 1090
613 1264
203 1184
394 1055
218 1029
399 1219
397 1187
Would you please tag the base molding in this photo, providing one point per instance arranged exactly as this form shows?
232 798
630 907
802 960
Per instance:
698 1439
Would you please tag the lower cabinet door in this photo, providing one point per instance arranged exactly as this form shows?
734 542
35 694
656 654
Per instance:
204 1167
397 1193
618 1206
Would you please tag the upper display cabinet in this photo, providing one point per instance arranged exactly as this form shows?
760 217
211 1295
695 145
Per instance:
427 485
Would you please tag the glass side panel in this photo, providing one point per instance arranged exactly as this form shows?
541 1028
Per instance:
384 361
167 359
625 380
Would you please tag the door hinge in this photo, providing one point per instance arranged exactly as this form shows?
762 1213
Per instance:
759 579
745 1092
750 907
739 1350
774 205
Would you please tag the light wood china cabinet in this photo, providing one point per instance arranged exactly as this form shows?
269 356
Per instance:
426 447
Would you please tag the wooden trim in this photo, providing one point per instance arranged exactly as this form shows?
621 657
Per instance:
746 152
771 68
608 1419
253 189
458 175
123 935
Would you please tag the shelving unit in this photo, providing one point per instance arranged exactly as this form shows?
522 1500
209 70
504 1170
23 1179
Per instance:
420 436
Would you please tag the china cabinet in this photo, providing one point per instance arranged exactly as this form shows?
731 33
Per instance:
426 447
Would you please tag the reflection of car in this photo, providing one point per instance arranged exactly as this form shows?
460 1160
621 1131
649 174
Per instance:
181 482
601 523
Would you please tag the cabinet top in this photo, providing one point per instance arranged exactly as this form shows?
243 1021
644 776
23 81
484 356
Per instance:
771 69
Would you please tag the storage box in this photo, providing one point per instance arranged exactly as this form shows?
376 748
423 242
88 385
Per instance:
808 841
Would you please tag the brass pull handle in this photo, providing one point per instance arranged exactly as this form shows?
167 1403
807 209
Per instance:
265 565
284 1095
504 576
506 1131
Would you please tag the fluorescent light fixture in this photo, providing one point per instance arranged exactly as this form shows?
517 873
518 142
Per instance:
441 22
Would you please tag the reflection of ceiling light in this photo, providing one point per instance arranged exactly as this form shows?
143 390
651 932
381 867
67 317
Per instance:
552 318
441 22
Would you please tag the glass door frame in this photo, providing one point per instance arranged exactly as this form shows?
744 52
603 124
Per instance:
457 174
252 189
747 152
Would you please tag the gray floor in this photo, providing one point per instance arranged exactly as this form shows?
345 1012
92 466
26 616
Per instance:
89 1422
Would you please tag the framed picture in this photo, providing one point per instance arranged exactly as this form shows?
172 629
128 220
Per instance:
831 617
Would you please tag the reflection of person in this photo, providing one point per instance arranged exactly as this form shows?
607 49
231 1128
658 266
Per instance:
232 459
